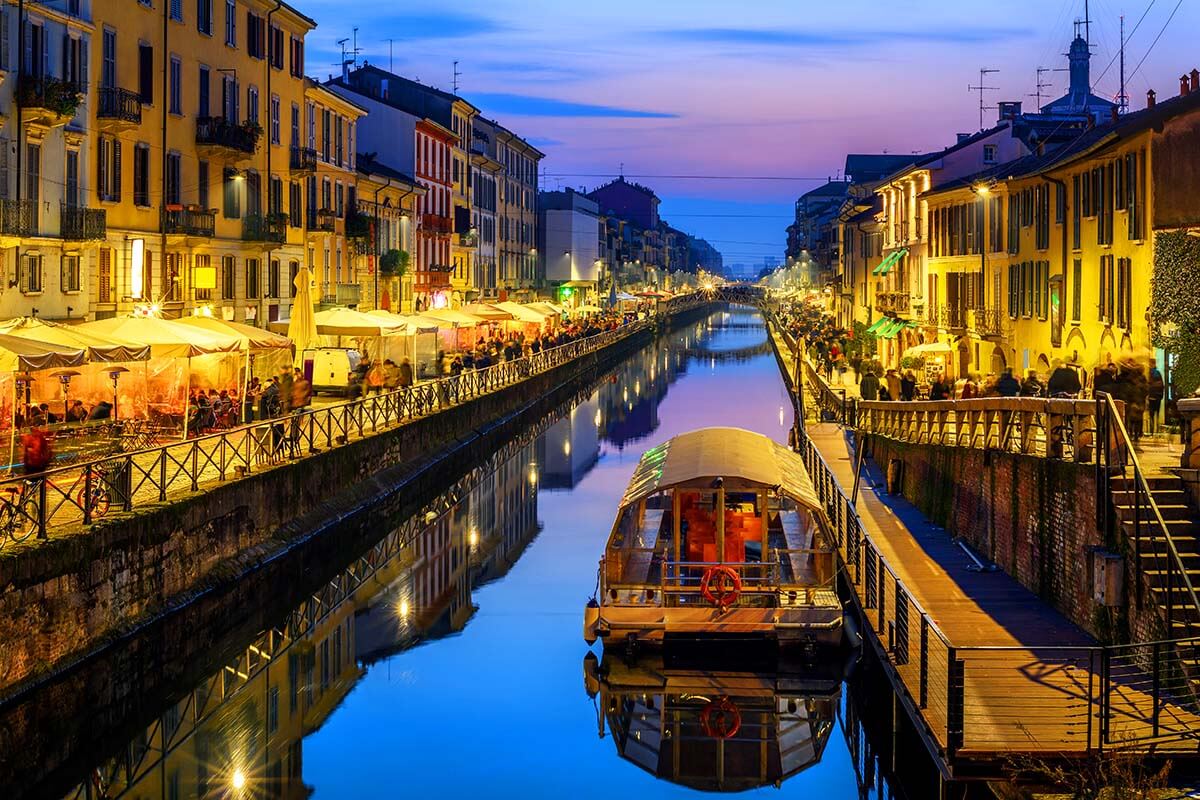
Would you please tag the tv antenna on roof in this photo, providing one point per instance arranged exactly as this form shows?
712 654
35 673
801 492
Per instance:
1040 84
981 88
457 75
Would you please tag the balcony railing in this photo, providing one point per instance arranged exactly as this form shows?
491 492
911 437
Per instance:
18 217
303 159
119 104
893 301
56 98
190 222
326 221
82 224
220 132
265 228
436 223
948 316
342 294
990 321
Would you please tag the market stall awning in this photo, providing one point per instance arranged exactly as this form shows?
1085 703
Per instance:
407 325
549 308
166 338
25 355
348 322
523 313
878 324
894 327
70 337
579 284
487 311
453 315
930 348
251 338
585 309
885 266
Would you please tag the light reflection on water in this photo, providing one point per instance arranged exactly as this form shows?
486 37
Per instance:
455 666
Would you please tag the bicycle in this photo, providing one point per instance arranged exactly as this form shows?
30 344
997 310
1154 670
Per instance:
18 512
19 505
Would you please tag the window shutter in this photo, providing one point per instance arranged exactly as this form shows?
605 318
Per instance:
5 53
83 61
116 170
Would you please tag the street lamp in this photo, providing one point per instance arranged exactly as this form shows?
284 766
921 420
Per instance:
64 376
982 189
114 374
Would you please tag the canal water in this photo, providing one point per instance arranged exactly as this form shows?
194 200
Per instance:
454 665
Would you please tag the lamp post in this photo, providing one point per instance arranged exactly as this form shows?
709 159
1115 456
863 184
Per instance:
114 374
983 190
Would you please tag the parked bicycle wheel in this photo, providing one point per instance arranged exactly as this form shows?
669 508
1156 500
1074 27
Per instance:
19 518
99 501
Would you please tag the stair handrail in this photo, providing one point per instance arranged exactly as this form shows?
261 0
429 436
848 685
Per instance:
1114 421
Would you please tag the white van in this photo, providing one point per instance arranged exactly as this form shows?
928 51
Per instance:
332 370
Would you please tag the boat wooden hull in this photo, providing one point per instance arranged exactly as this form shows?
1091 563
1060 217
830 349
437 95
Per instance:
806 626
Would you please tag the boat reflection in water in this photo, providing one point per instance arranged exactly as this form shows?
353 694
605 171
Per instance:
713 730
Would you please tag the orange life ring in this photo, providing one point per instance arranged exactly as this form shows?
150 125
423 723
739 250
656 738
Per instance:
721 586
721 718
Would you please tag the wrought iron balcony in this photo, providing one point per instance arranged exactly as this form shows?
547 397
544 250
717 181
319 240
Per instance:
190 222
343 294
949 316
47 100
231 136
119 105
79 224
326 221
436 223
265 228
893 301
18 217
990 321
303 159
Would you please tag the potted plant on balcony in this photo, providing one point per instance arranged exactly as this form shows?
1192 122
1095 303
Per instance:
394 263
53 94
253 132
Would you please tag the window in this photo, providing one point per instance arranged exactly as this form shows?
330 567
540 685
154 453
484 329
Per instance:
204 16
202 184
325 133
311 113
293 271
297 63
275 119
273 710
1076 213
69 274
295 218
1042 216
203 277
232 201
108 63
1135 168
228 277
252 104
273 279
1124 309
1103 199
340 195
203 95
171 264
338 142
146 73
72 188
141 175
176 105
1107 290
177 10
253 193
174 177
104 281
231 23
255 35
229 98
989 154
252 278
1014 223
1077 290
31 273
276 44
108 169
1060 203
74 58
275 195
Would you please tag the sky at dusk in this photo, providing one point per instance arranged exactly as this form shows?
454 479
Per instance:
761 88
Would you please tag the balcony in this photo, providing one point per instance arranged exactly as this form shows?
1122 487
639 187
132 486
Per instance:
898 302
48 101
231 138
303 159
265 228
118 108
435 223
326 221
18 218
948 316
990 321
82 224
344 294
190 221
360 229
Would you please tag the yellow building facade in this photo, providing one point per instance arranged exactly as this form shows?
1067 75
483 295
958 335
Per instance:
465 239
198 114
387 200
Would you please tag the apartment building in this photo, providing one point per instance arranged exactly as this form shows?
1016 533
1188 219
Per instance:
388 200
517 215
486 174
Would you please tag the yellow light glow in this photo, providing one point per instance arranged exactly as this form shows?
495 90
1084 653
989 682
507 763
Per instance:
533 475
597 417
137 264
473 538
403 609
238 780
983 188
566 448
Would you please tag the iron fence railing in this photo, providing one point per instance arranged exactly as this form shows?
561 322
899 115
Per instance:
80 493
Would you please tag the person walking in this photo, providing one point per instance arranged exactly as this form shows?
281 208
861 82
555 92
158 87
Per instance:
1007 385
405 375
1132 387
908 386
939 389
1064 381
892 378
868 385
391 375
1031 386
970 387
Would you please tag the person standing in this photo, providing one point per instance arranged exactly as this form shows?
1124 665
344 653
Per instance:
892 378
1007 385
908 386
1064 381
868 385
939 390
970 388
1155 391
405 374
1031 386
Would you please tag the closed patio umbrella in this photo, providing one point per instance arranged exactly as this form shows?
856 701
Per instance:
302 329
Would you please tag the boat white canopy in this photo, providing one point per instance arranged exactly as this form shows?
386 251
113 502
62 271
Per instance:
741 458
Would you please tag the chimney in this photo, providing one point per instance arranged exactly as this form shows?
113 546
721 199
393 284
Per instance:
1116 114
1196 80
1150 98
1184 85
962 137
1009 110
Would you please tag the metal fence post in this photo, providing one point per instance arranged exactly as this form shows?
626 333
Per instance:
923 693
955 702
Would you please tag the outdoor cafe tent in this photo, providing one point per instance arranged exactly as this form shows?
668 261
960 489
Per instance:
417 340
549 308
931 348
267 353
488 312
167 338
469 328
96 348
522 313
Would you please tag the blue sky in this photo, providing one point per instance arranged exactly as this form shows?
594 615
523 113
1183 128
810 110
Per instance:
768 88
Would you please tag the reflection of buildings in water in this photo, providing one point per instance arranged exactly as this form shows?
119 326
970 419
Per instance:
713 730
570 447
428 592
239 734
629 401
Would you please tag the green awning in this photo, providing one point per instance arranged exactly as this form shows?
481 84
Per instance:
877 324
886 265
891 329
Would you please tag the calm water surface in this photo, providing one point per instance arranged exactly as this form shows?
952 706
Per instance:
459 669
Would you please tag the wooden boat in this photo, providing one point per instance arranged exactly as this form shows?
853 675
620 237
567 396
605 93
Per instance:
720 535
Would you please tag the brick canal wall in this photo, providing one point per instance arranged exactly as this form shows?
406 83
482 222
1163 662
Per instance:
67 596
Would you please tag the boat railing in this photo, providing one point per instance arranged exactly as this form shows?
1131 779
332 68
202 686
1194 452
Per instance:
686 577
